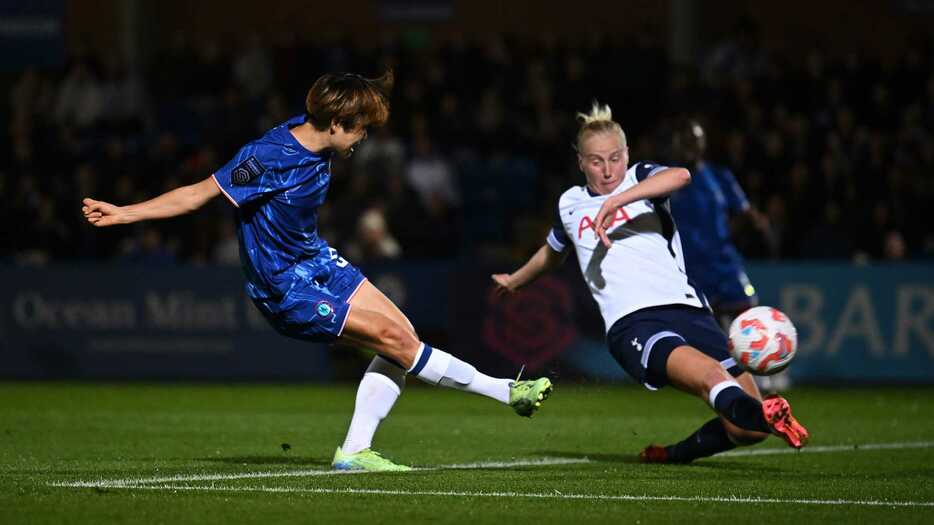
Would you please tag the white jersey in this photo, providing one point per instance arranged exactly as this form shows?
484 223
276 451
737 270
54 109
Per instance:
644 267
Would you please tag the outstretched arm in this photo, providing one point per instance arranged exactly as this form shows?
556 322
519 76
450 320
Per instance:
659 185
545 259
179 201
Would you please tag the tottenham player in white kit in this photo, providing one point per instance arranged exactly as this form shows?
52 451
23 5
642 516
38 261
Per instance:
659 326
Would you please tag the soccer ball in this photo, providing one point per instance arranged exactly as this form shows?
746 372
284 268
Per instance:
763 341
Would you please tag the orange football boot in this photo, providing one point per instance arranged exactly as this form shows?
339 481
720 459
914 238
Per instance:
777 414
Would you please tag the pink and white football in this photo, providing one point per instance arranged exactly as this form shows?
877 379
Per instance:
763 340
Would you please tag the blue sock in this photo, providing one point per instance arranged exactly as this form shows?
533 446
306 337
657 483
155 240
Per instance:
709 439
738 407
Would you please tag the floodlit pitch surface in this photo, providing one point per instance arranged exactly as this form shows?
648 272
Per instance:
88 453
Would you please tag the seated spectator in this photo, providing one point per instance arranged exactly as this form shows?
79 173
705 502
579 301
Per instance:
373 241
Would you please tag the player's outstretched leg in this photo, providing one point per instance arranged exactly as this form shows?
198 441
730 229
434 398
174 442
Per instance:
715 436
438 367
695 372
369 329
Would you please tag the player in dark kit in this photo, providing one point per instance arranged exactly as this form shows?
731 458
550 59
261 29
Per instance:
702 211
300 284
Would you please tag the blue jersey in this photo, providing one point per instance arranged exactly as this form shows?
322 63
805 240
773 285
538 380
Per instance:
277 186
702 211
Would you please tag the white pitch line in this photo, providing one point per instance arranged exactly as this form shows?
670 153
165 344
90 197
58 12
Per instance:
829 448
136 482
547 495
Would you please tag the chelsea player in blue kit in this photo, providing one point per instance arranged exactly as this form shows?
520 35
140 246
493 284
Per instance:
300 284
703 211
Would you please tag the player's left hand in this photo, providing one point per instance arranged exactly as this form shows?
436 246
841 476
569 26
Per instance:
503 286
100 213
604 220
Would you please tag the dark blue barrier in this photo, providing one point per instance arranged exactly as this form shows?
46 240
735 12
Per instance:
165 323
126 322
856 323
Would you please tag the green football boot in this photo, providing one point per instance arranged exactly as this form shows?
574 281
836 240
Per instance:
366 460
525 397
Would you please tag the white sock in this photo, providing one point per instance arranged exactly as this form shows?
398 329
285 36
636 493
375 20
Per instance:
437 367
377 393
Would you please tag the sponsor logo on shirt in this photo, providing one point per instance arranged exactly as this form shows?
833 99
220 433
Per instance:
246 171
588 224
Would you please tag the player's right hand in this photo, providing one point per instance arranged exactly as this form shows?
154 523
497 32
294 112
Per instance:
502 283
604 220
100 213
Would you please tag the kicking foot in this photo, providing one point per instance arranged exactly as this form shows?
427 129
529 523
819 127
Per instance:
366 459
777 414
525 397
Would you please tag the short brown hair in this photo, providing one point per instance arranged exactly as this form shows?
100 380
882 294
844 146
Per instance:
349 100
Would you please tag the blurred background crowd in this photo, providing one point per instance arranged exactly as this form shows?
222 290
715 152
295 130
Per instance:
836 147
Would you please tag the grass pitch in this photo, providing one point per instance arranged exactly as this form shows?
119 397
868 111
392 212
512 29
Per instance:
87 453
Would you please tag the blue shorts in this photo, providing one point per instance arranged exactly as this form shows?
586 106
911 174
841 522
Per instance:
317 305
642 341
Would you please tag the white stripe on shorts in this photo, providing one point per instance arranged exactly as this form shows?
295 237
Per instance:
651 342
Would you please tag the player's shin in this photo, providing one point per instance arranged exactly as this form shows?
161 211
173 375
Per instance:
378 391
438 367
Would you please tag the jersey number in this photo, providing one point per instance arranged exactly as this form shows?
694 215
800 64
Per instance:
340 261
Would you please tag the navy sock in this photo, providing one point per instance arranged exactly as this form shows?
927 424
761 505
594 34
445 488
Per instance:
738 407
710 439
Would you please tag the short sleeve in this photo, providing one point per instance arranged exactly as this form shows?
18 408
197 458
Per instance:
249 175
645 170
557 237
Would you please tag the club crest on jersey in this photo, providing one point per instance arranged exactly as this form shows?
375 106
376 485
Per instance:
588 224
324 309
246 171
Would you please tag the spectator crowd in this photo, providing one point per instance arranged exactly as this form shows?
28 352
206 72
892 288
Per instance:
838 151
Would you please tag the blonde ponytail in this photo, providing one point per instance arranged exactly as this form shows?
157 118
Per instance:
599 120
597 113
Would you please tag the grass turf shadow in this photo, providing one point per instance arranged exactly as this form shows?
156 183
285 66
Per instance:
633 459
